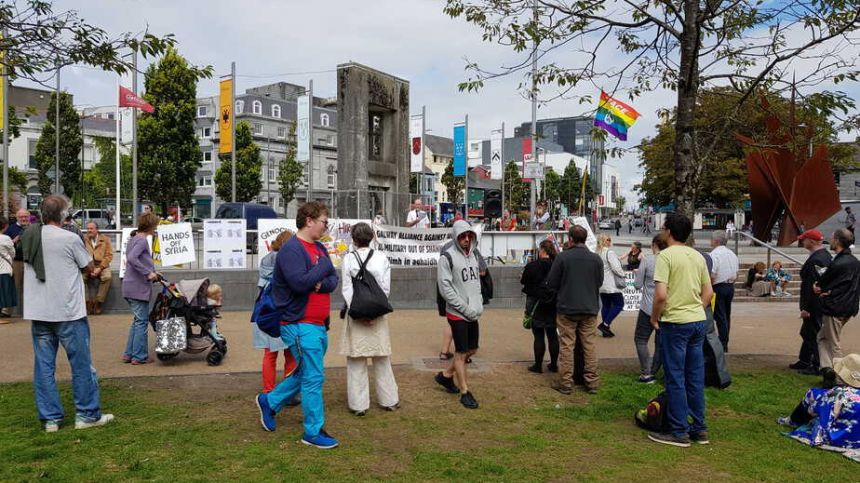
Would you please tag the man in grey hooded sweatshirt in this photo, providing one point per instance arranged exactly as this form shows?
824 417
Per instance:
459 280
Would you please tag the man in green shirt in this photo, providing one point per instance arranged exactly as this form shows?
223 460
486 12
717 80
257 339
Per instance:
682 289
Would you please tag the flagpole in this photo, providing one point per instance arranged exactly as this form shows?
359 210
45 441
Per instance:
57 137
533 183
3 105
466 188
118 214
134 201
233 134
504 167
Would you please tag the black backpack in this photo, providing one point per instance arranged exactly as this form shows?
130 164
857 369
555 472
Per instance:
654 417
368 300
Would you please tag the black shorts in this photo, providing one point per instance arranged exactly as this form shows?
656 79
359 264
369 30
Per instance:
465 335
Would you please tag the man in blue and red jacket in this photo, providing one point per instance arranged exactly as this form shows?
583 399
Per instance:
303 280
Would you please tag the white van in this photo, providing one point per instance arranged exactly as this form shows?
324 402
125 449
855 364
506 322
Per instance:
86 215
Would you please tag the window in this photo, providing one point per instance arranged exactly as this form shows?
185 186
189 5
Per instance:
204 181
201 111
331 176
272 174
282 132
207 156
276 111
257 107
240 106
324 121
206 132
375 131
31 154
258 128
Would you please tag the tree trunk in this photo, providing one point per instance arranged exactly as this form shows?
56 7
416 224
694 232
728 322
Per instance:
685 136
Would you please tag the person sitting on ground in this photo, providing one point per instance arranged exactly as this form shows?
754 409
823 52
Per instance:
830 417
778 279
634 256
756 284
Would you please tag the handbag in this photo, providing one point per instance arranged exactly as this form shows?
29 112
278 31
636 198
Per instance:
266 315
620 280
368 300
528 318
171 335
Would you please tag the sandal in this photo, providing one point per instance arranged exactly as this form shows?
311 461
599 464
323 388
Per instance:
444 356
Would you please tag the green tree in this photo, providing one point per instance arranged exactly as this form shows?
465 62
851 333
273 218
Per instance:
619 204
36 40
454 185
683 46
71 143
17 179
552 187
516 191
722 180
169 152
289 172
100 181
249 164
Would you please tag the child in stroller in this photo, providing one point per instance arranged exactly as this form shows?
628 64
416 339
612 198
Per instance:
177 310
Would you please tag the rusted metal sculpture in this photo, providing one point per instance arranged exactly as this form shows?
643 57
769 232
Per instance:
791 181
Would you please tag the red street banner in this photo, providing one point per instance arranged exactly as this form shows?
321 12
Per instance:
527 156
127 98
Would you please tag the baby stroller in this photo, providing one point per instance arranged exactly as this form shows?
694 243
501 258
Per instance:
177 310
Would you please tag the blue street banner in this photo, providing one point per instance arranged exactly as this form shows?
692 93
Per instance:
460 150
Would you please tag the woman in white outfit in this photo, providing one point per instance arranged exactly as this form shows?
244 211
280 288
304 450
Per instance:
363 339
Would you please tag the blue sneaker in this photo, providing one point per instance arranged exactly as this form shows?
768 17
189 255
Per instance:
321 441
267 416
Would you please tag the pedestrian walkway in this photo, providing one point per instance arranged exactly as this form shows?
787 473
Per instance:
415 335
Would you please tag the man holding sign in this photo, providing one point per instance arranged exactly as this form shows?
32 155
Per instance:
417 217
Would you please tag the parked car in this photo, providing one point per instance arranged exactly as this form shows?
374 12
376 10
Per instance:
250 212
86 215
606 224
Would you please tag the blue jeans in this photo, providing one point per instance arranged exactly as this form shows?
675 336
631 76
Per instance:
75 337
308 344
137 346
684 369
612 305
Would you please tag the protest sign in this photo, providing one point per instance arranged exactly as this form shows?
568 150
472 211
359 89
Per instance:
267 230
176 243
337 240
224 244
632 295
123 245
410 247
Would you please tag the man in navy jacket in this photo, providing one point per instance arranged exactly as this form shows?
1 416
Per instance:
303 280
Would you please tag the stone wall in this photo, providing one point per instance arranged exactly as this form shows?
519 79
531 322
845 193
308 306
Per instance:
411 288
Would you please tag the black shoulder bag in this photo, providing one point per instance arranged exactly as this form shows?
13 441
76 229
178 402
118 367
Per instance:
368 300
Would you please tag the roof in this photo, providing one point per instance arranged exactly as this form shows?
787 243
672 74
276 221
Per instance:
439 145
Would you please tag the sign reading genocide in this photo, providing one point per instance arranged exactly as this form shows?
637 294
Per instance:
176 243
415 248
224 244
632 295
267 230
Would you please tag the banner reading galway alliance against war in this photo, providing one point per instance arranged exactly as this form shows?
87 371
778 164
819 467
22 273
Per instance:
410 247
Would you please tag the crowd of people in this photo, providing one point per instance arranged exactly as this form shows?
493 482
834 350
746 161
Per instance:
684 294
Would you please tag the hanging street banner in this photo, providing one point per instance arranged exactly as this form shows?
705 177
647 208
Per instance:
460 150
416 150
176 243
533 170
527 157
224 244
496 164
225 116
407 247
126 126
303 129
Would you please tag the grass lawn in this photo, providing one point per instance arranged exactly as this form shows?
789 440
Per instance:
206 428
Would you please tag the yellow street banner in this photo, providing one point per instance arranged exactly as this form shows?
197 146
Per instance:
225 116
2 91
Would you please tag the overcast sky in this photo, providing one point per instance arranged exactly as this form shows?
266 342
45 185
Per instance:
282 40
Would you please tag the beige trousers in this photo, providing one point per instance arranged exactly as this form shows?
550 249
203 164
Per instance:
357 383
828 339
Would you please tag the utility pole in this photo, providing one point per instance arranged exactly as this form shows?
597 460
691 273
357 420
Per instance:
532 199
3 105
311 141
233 136
466 178
504 167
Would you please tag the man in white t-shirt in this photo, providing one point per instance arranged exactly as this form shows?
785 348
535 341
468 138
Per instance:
54 302
723 280
417 217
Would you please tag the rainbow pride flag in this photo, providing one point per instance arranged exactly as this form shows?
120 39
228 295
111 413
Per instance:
614 116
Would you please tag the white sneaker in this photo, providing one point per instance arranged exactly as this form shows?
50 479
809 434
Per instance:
786 294
81 424
52 426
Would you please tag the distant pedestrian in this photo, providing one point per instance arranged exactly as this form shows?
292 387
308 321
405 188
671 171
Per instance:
8 295
542 218
576 277
611 296
850 219
682 289
54 301
458 279
617 227
724 273
810 308
14 231
644 281
367 339
629 225
838 292
302 284
540 304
